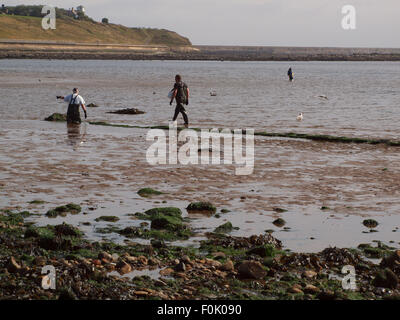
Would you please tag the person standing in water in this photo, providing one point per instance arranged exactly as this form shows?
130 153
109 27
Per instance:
290 74
181 95
75 101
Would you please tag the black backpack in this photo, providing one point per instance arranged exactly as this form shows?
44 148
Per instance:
181 95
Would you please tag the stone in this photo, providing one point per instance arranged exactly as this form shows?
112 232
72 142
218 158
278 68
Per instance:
279 222
251 270
295 289
105 256
386 279
219 255
166 272
180 267
311 289
123 267
13 266
309 274
228 266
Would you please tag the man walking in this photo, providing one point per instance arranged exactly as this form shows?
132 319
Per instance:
74 102
181 95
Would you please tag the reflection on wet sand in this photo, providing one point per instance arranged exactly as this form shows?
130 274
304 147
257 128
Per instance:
75 137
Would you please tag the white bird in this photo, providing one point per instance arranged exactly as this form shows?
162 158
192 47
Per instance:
300 117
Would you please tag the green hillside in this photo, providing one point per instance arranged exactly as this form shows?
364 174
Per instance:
85 30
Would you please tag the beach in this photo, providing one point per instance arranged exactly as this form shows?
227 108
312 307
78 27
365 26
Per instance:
322 190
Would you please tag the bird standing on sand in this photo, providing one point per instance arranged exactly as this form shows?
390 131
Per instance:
300 117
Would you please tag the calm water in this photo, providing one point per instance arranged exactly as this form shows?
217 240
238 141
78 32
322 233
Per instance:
102 168
362 98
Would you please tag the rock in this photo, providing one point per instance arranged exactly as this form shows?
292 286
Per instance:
63 210
127 111
219 255
167 222
213 263
142 260
13 266
141 293
186 259
370 223
180 267
158 243
153 261
67 294
309 274
392 260
123 267
107 219
206 207
251 270
40 261
160 283
295 289
92 105
224 228
105 256
262 251
386 279
147 192
311 289
228 266
56 117
166 272
279 222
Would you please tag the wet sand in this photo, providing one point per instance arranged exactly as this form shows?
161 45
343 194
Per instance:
102 168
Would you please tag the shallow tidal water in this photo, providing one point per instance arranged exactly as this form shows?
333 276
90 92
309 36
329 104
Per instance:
102 168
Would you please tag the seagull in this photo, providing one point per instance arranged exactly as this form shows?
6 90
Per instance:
323 97
300 117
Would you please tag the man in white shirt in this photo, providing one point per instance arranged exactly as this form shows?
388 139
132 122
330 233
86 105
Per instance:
74 102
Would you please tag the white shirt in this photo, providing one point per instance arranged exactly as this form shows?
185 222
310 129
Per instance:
79 100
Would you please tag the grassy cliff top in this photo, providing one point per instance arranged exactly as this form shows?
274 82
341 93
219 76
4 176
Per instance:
14 27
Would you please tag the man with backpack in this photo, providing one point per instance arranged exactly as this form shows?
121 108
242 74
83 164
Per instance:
181 95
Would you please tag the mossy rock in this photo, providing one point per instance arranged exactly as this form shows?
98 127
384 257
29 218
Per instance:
224 228
40 232
166 211
107 219
279 210
166 222
370 223
263 251
386 279
201 206
67 230
36 201
63 210
57 117
147 192
279 222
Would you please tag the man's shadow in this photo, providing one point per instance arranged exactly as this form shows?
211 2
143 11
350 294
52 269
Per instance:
75 136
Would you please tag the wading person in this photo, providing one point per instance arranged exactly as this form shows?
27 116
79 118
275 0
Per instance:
75 101
181 95
290 74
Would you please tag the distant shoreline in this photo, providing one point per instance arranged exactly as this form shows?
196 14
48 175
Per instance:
15 49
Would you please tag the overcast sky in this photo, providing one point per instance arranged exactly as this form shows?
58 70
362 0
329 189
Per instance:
253 22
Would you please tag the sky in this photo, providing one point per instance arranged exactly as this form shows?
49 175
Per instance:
253 22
